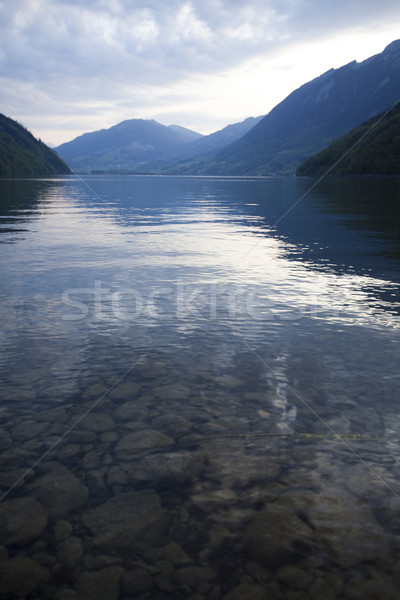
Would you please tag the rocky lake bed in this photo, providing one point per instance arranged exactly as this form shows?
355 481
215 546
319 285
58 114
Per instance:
153 491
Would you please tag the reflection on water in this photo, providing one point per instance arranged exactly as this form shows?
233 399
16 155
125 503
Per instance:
197 402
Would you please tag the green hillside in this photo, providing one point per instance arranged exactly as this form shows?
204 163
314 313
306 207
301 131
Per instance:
378 153
22 154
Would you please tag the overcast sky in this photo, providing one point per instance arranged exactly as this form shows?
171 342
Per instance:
71 66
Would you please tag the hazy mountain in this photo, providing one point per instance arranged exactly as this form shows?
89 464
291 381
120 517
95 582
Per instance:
22 154
126 146
200 152
378 153
148 146
314 115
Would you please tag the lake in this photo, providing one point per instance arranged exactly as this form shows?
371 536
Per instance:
199 388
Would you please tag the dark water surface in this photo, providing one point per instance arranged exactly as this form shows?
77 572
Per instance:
199 393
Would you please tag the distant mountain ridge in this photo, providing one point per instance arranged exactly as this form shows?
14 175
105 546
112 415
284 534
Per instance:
203 150
129 145
313 115
146 145
21 154
378 153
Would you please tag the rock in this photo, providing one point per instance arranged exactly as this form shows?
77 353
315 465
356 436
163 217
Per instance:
61 530
171 424
215 500
229 462
96 483
45 559
365 484
136 582
15 478
192 577
5 440
321 588
135 425
19 576
101 585
3 553
66 595
122 522
70 552
60 491
68 451
145 439
22 520
294 577
117 476
95 390
248 591
52 415
131 411
109 437
26 430
363 588
346 528
125 391
276 535
260 573
90 461
173 553
81 436
172 392
100 561
170 466
97 422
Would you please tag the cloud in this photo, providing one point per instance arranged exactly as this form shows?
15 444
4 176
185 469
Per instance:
77 56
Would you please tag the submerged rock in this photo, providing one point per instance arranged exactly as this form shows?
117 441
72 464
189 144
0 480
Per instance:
145 439
171 424
136 582
22 520
346 528
70 552
170 466
248 591
100 585
60 491
19 576
121 523
97 422
192 577
228 461
276 535
26 430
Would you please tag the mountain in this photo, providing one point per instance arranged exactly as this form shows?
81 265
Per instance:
128 146
313 115
376 150
22 154
200 152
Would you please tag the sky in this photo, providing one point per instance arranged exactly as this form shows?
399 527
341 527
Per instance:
72 66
